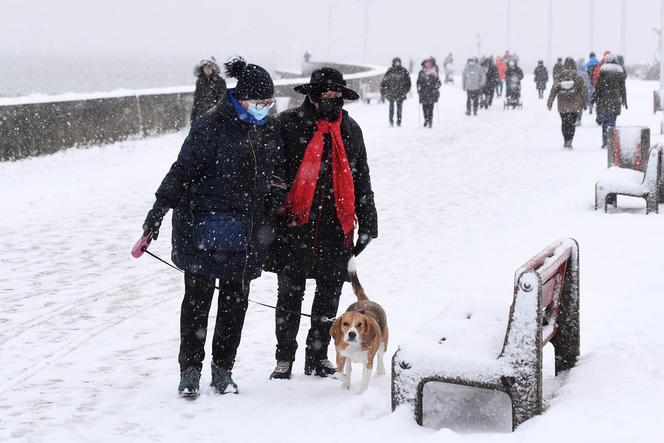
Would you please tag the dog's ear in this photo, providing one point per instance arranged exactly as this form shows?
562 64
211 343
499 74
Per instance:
335 331
372 333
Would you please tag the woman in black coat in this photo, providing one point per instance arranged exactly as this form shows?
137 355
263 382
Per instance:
219 188
317 245
210 88
428 85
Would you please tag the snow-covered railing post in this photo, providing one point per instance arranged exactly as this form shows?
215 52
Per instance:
450 354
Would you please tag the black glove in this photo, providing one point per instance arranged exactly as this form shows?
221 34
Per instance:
153 220
362 241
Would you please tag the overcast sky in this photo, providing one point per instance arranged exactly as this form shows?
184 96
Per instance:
278 32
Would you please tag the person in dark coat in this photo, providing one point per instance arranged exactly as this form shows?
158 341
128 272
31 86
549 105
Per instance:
610 95
557 69
541 78
428 86
489 88
394 87
328 192
219 190
210 87
571 93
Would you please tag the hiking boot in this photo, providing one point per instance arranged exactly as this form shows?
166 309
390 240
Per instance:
282 371
189 381
321 368
221 380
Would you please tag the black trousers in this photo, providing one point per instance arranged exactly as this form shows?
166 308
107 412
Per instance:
472 99
427 109
232 307
568 125
290 294
399 108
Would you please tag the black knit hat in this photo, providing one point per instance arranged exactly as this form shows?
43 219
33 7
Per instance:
253 82
327 79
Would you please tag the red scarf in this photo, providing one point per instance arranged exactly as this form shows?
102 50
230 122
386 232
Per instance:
302 192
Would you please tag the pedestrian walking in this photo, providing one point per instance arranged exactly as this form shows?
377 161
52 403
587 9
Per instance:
428 88
557 69
571 94
610 95
327 192
541 78
218 189
473 80
210 87
491 75
395 87
502 68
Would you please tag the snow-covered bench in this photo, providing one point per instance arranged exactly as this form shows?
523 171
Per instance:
480 345
625 181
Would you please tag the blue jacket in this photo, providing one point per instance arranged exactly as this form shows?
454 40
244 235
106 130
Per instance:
219 189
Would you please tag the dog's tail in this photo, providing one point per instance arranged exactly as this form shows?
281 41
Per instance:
354 281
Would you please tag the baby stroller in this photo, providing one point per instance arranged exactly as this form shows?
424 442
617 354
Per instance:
512 93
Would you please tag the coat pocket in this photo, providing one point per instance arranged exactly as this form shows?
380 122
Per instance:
221 232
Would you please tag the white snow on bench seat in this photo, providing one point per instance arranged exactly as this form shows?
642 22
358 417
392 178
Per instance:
462 341
623 181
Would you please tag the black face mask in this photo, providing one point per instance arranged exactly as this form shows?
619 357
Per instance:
329 108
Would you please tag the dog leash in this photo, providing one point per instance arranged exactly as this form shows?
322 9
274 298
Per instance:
322 318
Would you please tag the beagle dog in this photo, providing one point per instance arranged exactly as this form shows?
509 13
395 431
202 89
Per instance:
359 334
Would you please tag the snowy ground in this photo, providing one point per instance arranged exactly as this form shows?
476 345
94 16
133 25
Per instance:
89 335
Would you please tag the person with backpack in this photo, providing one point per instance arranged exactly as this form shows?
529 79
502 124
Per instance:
610 95
428 88
571 93
590 71
473 80
394 87
541 78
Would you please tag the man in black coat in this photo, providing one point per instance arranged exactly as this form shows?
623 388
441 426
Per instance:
557 70
492 78
210 88
394 87
219 190
327 192
610 95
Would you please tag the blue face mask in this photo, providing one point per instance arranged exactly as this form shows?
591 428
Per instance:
258 113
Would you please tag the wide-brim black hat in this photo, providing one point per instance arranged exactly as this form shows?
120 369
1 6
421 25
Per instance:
327 79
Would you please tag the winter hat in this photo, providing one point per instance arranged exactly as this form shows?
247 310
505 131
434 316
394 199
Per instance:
211 62
253 82
327 79
396 60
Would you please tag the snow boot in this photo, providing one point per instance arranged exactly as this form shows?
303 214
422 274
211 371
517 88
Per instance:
189 382
221 380
321 368
282 371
